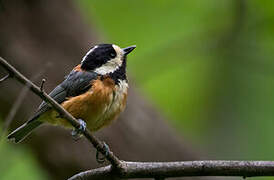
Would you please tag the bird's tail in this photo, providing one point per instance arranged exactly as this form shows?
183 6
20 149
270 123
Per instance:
23 131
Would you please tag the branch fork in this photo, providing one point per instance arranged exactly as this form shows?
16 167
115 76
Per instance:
158 170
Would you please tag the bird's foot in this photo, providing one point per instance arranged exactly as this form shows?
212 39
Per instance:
99 159
76 133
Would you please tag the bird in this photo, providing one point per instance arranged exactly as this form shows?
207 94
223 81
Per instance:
94 92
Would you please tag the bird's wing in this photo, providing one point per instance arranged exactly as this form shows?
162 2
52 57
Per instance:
76 83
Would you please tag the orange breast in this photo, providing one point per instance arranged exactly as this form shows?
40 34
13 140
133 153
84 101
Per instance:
97 107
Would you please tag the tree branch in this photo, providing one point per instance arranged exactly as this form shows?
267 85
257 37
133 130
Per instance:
63 113
4 78
158 170
163 170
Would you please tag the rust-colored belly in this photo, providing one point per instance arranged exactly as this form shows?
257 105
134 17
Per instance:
97 107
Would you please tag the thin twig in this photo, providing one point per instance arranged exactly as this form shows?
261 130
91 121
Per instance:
19 101
122 169
181 169
42 85
35 89
4 78
13 110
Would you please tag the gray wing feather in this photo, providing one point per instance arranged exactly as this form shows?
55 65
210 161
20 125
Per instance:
76 83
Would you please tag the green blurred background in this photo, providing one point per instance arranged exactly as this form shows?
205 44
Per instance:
206 65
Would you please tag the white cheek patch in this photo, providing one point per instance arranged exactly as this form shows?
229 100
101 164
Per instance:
113 64
85 57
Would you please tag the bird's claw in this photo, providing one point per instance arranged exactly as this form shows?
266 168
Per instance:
76 133
101 160
83 125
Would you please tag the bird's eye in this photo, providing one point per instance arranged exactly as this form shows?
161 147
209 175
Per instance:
112 55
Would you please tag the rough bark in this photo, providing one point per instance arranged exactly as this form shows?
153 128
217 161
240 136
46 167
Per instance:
164 170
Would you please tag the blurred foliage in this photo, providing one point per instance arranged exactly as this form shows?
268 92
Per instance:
18 163
173 39
208 65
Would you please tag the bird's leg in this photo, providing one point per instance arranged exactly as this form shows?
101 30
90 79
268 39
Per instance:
101 160
76 133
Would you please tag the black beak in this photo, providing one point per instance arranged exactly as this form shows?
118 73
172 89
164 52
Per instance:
127 50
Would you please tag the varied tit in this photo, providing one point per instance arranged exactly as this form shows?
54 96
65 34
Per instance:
94 92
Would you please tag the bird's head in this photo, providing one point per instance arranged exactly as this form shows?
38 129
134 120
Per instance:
106 59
